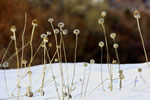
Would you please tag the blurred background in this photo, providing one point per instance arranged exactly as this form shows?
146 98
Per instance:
81 14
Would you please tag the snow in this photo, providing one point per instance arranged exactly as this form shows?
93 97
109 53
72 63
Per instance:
128 91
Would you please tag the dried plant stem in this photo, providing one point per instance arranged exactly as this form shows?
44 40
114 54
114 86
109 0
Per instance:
146 58
135 81
75 54
107 50
5 69
102 69
63 44
53 74
83 81
17 59
142 77
87 80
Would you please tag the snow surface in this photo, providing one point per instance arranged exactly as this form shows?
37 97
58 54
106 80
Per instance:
128 92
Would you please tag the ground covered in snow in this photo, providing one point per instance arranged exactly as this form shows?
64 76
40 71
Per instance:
128 92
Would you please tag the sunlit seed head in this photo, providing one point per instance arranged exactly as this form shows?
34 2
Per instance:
101 44
50 45
92 61
43 36
115 45
101 21
56 60
103 13
113 35
5 64
56 31
120 71
34 22
24 61
76 31
13 28
85 64
48 33
139 69
50 19
13 37
65 32
137 14
114 61
61 24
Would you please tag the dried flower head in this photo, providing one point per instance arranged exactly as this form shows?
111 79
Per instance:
56 60
85 64
115 45
101 44
34 22
92 61
13 28
45 40
137 14
29 72
43 36
103 13
13 37
114 61
101 21
65 32
5 64
139 69
76 31
120 71
121 76
61 24
56 31
50 45
50 19
48 33
24 61
113 35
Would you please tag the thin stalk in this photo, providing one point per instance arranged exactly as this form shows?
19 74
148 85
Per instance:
83 81
146 58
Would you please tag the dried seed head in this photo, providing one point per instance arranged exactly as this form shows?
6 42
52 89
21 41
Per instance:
114 61
43 36
13 37
113 35
50 19
34 22
101 21
137 14
85 64
29 72
115 45
139 69
65 32
56 31
56 60
103 13
92 61
76 31
5 64
48 33
45 40
50 45
13 28
120 71
101 44
121 76
61 24
24 61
